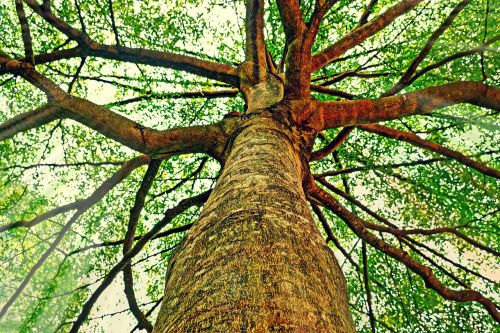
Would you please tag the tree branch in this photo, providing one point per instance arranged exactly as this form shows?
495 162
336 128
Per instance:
331 236
291 18
29 120
135 213
350 113
25 31
255 44
89 47
357 225
383 166
112 125
366 13
169 215
358 35
429 145
426 49
98 194
366 281
332 146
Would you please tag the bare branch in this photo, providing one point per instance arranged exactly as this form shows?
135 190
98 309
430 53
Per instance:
98 194
429 145
208 94
426 49
458 55
357 225
113 23
398 233
350 113
358 35
162 234
77 74
332 92
291 18
321 7
383 166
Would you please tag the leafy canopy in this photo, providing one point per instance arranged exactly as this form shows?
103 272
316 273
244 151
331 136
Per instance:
63 161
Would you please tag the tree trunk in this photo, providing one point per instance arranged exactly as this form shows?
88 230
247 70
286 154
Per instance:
255 260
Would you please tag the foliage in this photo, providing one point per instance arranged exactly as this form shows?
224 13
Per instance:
40 169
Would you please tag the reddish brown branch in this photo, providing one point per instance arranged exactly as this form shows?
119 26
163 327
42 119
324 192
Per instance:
429 145
291 18
357 225
255 44
350 113
113 125
332 146
358 35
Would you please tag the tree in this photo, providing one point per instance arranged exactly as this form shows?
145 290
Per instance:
375 117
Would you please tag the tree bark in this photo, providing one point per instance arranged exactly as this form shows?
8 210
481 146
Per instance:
255 260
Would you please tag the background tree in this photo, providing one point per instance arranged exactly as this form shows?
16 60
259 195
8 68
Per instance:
286 98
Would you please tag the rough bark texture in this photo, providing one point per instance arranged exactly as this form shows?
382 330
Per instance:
255 260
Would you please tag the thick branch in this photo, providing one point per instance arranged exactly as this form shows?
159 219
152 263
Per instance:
357 225
291 18
358 35
113 125
429 145
98 194
255 44
88 47
28 120
350 113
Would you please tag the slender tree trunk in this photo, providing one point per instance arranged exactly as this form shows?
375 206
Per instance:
255 260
